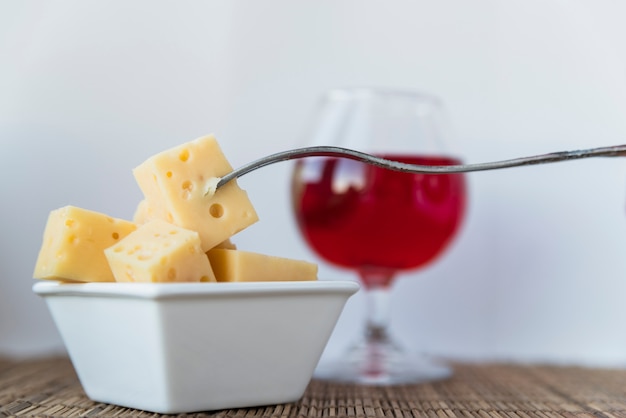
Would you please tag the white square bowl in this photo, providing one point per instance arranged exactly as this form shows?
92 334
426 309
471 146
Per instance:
176 348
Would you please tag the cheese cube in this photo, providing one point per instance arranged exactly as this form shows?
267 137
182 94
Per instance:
243 266
73 245
160 252
228 244
143 213
175 184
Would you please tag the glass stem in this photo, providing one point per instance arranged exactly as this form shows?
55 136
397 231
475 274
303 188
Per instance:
378 286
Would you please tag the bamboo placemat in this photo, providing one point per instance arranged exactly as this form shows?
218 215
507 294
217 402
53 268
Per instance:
49 388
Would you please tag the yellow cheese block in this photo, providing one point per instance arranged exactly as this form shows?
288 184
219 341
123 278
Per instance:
243 266
160 252
175 183
228 244
73 245
143 213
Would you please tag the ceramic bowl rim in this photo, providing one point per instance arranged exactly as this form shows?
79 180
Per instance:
192 290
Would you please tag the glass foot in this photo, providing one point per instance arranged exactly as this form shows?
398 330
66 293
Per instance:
381 364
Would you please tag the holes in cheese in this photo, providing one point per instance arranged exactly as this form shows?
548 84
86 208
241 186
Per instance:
187 187
73 243
243 266
162 176
216 210
159 252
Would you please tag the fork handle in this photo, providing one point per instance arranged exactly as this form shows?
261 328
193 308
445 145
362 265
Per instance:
331 151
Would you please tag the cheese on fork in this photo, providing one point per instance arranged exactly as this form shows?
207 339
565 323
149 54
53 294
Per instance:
243 266
175 183
159 252
73 245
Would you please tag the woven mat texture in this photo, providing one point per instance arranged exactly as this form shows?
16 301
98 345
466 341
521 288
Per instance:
50 388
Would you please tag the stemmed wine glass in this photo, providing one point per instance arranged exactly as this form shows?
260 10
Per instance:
377 222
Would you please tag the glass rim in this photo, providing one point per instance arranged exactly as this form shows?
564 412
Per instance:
364 92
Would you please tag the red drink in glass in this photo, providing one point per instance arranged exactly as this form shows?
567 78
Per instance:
375 220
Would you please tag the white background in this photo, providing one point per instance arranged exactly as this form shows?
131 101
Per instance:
88 90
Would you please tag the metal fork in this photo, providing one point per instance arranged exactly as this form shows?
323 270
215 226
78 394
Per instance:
329 151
